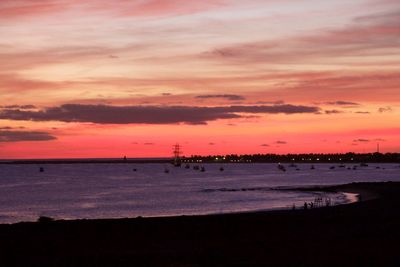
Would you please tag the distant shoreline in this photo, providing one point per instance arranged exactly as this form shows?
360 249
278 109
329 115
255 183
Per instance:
84 161
27 162
347 158
170 161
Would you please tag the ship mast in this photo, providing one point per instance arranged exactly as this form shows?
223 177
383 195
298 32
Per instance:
177 152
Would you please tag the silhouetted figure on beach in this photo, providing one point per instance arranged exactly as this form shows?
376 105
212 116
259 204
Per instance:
305 205
328 202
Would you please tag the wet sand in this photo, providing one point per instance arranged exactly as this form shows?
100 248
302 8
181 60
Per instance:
365 233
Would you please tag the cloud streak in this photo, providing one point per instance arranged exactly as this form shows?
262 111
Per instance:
137 8
225 96
342 103
104 114
23 136
365 36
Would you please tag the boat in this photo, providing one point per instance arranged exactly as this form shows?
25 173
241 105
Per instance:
281 167
202 169
221 169
177 152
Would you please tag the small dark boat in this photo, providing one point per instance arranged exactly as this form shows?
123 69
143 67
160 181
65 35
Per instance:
41 169
332 167
166 170
134 169
281 167
196 167
221 169
342 166
312 167
177 164
202 169
187 166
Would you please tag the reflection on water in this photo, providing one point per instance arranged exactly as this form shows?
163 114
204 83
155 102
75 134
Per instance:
69 191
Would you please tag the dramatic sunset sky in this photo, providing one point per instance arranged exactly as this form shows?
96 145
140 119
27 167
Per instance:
101 78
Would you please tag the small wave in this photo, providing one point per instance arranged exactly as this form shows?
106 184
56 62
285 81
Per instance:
243 189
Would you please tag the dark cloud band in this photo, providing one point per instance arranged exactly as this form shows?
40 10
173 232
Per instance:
20 136
105 114
226 96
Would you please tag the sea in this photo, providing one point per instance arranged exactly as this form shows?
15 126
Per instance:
112 190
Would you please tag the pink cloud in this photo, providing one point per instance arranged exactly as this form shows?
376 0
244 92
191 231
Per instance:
171 7
24 8
365 36
29 8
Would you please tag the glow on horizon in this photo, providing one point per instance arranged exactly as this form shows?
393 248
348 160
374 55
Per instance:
253 77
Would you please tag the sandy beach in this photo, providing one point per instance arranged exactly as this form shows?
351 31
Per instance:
365 233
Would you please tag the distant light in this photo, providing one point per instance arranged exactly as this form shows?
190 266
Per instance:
317 158
329 159
351 158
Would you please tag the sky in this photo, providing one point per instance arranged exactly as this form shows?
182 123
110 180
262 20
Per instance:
103 78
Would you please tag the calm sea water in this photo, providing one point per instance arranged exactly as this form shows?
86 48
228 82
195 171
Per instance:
74 191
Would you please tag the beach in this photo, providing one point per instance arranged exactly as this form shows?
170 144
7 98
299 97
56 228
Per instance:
364 233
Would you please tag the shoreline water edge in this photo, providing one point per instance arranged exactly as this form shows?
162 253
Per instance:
363 233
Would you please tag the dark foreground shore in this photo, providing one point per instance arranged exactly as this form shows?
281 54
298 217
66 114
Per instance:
365 233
